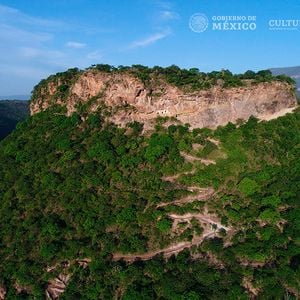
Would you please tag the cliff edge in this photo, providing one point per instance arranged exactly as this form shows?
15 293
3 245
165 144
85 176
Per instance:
130 98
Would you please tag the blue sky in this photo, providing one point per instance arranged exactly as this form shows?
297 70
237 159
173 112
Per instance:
39 37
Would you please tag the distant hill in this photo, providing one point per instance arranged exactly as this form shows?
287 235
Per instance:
12 112
16 97
293 72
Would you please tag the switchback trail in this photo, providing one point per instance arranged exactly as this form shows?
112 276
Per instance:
173 178
167 252
191 158
205 217
208 232
201 195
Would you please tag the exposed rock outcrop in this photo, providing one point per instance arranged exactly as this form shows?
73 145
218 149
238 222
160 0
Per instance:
57 286
2 292
130 100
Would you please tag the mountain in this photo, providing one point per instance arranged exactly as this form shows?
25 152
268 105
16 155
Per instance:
293 72
92 209
11 112
142 94
16 97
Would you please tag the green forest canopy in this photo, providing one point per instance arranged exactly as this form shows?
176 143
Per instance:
73 189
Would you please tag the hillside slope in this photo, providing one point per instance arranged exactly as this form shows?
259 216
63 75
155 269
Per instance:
91 211
12 112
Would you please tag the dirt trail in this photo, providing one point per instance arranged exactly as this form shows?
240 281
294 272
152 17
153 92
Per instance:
167 252
208 232
191 158
205 217
201 195
214 141
173 178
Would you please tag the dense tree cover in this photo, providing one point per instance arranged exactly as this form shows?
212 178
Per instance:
194 79
73 188
63 80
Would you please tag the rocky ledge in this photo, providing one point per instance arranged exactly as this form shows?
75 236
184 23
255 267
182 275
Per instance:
129 99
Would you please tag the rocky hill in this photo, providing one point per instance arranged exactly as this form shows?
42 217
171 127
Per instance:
215 99
91 210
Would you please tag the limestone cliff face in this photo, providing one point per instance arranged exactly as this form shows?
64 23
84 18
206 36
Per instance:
130 100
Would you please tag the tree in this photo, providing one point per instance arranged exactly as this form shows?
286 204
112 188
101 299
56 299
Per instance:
158 145
164 225
271 201
270 216
248 186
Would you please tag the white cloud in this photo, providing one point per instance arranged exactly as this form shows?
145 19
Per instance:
29 52
7 10
31 49
75 45
167 15
150 39
17 35
14 15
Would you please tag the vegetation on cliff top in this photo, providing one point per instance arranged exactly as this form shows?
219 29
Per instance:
187 79
73 189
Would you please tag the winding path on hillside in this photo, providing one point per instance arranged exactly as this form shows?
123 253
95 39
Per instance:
167 252
205 218
209 232
201 195
192 158
173 178
211 222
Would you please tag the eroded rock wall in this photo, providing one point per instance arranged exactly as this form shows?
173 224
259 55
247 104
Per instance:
131 100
